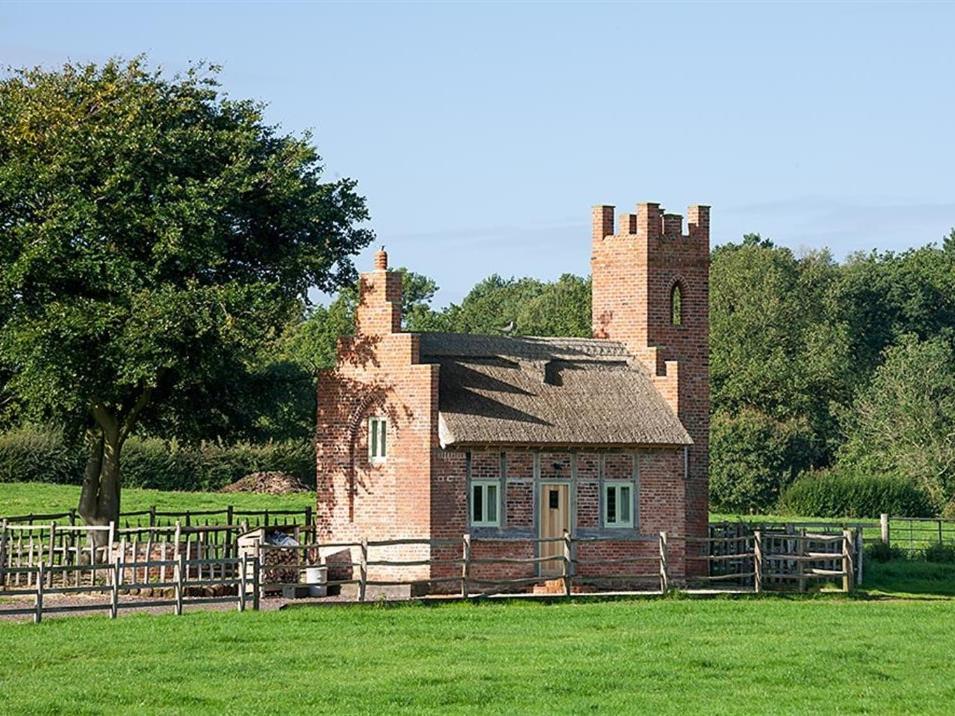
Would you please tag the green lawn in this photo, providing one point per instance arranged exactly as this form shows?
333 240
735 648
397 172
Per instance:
20 498
909 578
772 655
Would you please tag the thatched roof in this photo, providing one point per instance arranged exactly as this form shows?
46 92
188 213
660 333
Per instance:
496 390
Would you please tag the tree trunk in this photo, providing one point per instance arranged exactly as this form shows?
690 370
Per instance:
99 498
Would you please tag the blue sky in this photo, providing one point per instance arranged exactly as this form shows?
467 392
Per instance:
482 134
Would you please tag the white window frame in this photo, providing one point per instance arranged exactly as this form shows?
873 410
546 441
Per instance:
484 485
377 439
618 488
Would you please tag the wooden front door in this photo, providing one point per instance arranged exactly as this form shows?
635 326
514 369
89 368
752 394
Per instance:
554 520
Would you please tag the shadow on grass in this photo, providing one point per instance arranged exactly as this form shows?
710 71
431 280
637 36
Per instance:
909 578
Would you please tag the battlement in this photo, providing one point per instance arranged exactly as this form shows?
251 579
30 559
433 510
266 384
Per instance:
652 222
650 290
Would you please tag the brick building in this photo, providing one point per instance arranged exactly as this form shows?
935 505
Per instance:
508 439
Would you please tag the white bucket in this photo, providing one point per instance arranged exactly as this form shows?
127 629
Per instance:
315 578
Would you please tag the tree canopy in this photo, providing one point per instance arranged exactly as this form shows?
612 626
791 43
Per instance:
155 235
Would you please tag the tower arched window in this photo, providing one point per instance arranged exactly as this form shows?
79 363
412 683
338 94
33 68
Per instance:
676 305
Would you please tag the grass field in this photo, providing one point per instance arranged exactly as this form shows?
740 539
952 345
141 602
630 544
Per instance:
772 655
909 578
21 498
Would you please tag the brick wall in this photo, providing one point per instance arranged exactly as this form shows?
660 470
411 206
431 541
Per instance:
588 491
657 475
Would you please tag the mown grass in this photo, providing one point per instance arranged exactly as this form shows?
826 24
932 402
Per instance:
21 498
910 578
769 655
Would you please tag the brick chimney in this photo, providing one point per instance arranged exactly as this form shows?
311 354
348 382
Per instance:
379 299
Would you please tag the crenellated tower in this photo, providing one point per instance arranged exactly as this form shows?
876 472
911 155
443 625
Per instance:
651 292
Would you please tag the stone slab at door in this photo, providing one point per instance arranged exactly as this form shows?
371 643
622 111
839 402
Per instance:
554 519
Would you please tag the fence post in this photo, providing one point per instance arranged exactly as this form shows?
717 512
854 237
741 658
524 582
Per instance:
72 517
568 563
465 565
256 582
847 567
758 561
243 580
884 525
110 537
860 550
3 553
40 578
177 535
664 568
363 569
940 533
180 569
51 553
801 554
114 590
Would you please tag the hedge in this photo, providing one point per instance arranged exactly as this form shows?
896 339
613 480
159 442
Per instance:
853 495
30 454
38 454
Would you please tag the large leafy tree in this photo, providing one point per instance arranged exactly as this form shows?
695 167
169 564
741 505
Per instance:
154 236
779 368
903 421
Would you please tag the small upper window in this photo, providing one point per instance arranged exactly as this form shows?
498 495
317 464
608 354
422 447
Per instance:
618 505
485 503
676 305
377 439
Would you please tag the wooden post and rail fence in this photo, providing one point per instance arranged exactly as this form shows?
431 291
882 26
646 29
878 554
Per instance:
111 566
751 565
